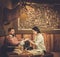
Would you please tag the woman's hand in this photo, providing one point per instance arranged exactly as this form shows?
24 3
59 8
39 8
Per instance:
27 39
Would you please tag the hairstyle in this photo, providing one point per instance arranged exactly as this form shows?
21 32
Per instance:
9 29
36 29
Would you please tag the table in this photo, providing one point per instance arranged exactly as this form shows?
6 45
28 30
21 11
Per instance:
11 54
29 55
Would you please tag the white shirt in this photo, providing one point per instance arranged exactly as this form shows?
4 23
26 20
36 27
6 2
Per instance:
39 41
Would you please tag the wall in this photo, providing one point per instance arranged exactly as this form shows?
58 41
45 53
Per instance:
45 16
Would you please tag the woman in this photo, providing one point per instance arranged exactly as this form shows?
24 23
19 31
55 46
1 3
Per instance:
38 41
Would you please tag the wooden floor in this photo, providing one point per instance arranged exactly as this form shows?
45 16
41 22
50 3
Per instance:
56 54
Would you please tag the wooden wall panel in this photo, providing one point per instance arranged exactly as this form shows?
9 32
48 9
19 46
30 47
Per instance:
56 42
52 41
47 39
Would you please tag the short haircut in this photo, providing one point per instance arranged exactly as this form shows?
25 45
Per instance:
36 29
9 29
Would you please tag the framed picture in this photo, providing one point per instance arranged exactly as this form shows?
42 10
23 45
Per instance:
41 15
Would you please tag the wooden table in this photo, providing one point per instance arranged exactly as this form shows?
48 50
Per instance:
29 55
22 55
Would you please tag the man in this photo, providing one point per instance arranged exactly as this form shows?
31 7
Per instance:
11 37
9 43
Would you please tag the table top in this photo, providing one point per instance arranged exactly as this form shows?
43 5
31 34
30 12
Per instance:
23 54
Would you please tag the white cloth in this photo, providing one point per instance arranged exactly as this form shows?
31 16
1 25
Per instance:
22 43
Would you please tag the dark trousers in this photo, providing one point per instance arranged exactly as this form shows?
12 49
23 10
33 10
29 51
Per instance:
4 50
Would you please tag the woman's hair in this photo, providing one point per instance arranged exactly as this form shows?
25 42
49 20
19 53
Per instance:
9 29
36 29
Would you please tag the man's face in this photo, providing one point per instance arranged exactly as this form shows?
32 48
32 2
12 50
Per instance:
12 31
